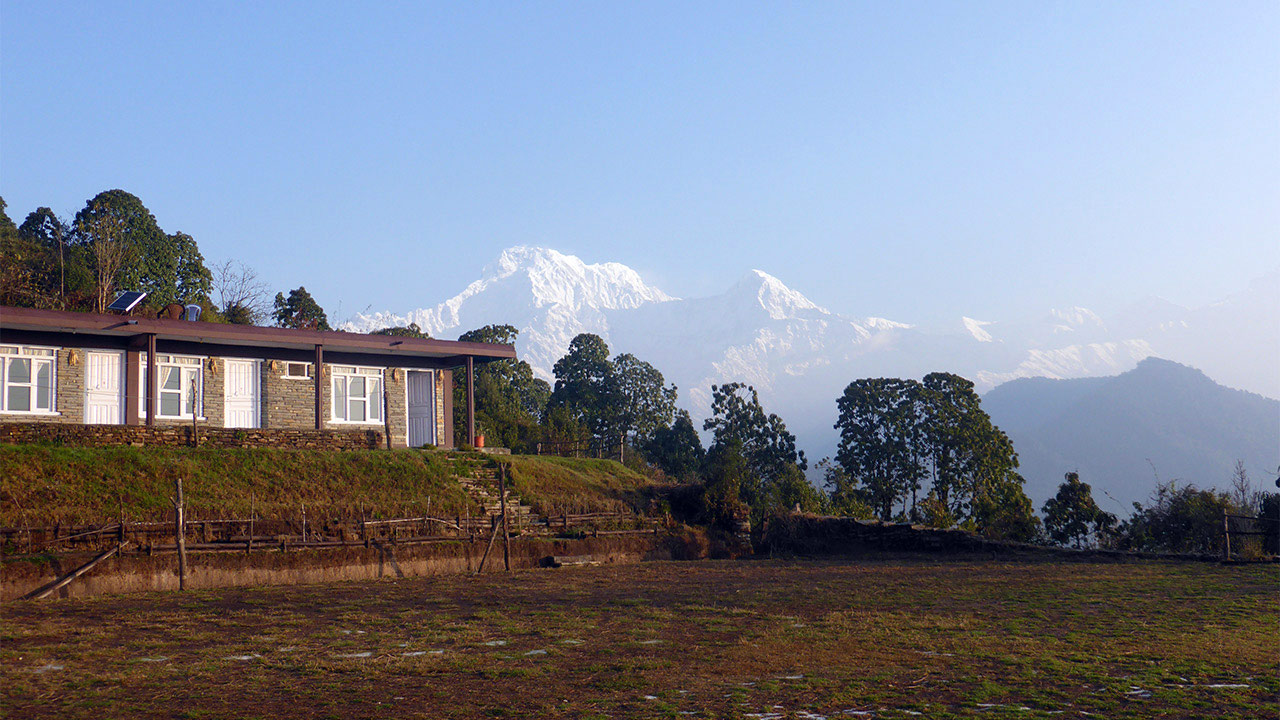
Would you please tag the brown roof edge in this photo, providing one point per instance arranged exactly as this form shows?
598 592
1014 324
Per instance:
55 320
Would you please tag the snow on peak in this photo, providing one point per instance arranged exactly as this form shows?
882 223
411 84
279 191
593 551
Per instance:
778 300
559 279
1069 319
975 329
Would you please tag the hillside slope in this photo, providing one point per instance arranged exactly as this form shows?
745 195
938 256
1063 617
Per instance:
46 484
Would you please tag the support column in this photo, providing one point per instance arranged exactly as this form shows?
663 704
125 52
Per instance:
153 379
132 387
471 401
316 373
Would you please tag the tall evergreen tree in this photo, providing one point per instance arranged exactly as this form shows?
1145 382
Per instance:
299 310
772 461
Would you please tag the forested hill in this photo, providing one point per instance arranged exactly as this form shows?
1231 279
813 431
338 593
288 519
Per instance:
1114 430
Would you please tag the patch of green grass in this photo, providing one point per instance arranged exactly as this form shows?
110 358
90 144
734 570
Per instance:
555 485
47 484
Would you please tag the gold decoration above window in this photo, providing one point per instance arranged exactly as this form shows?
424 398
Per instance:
73 357
275 366
395 374
213 366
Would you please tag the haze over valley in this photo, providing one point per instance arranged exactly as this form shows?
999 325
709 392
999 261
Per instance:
800 355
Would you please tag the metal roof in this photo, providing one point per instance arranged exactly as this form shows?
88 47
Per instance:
16 318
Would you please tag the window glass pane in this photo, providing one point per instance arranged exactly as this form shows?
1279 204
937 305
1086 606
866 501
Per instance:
357 387
375 399
171 403
44 386
19 371
172 378
8 350
340 398
357 409
190 391
19 397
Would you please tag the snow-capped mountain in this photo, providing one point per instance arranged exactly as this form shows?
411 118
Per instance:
549 296
800 356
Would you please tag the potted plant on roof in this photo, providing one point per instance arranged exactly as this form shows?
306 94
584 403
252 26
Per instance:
479 436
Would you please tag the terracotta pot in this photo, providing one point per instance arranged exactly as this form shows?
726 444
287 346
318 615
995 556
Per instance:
479 441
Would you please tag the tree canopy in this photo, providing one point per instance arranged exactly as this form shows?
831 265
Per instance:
510 399
1072 517
299 310
897 435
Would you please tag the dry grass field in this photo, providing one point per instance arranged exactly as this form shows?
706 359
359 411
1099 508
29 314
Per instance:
895 638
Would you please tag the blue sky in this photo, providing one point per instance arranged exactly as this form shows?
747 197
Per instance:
913 160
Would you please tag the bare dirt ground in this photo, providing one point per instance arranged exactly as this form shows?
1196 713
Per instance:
893 638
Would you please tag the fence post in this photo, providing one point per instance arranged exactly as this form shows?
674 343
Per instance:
506 536
1226 537
180 532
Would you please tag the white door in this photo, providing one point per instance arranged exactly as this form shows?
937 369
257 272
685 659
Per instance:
422 408
104 388
242 398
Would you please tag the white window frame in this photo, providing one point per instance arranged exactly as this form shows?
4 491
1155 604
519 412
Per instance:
36 356
288 368
344 376
186 401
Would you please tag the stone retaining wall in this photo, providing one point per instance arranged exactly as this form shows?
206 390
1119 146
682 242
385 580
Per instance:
181 436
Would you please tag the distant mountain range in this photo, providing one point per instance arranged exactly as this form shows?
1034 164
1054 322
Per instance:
800 356
1159 419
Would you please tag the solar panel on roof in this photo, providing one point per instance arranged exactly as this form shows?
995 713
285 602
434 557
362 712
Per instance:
126 301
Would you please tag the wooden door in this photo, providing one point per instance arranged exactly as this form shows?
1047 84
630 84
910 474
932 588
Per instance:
421 403
242 394
104 388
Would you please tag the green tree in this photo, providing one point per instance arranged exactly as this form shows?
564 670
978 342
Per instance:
1178 519
772 461
127 249
643 405
52 234
726 474
586 386
510 399
844 497
299 310
122 231
895 433
108 230
1072 516
677 450
19 283
877 424
184 271
410 331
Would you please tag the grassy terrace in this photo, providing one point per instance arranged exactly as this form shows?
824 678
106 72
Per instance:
47 484
554 485
903 637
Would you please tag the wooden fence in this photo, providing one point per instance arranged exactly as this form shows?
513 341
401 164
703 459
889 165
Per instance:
248 534
609 448
1249 526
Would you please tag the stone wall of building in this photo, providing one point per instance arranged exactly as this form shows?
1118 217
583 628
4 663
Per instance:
182 436
397 417
442 387
288 402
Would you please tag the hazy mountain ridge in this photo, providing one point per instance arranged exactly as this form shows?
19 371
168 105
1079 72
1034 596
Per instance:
1159 419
